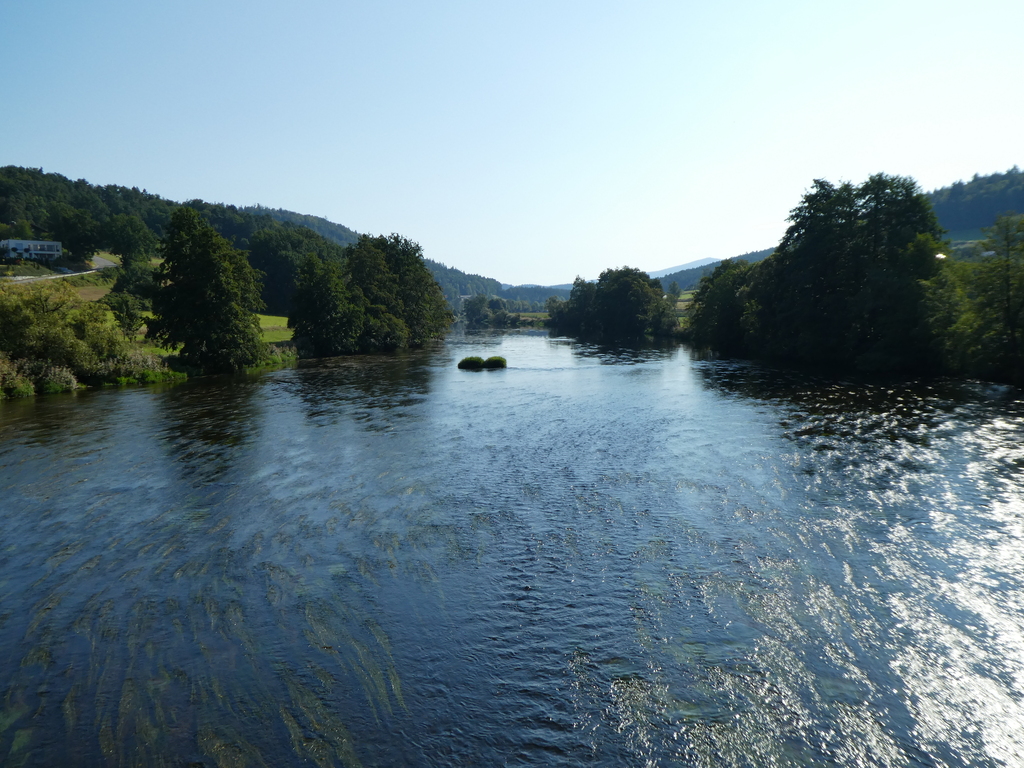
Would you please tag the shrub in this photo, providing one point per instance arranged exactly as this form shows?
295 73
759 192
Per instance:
495 362
131 367
471 363
51 379
13 383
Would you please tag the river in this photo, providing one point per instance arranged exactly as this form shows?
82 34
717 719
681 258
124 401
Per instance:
598 556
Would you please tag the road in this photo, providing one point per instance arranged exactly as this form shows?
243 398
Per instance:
98 263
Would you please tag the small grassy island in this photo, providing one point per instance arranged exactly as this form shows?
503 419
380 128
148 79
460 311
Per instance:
479 364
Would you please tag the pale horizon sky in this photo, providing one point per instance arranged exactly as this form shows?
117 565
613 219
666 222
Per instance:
530 142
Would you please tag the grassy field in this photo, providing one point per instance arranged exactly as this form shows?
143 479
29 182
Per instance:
275 328
28 269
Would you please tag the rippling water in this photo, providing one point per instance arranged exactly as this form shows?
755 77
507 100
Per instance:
597 556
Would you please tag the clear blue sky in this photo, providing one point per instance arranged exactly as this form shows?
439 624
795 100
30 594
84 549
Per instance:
526 141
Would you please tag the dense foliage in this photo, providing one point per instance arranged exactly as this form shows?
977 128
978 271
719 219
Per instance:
382 297
206 299
278 252
977 309
325 317
860 281
842 289
481 311
623 303
50 340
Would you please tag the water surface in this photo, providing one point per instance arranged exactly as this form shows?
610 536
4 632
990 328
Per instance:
597 556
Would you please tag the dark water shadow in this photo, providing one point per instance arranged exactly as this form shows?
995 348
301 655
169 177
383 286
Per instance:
207 422
371 388
619 351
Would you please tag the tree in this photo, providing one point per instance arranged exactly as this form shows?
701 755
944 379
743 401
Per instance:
129 237
717 310
206 299
624 302
375 290
1000 291
627 302
420 302
475 310
845 286
127 311
977 309
326 320
76 229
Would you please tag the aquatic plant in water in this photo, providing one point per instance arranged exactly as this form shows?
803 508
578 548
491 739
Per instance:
478 363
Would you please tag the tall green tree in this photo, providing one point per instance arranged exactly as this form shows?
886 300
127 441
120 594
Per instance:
977 309
207 298
128 236
719 307
76 229
624 302
845 286
326 320
419 301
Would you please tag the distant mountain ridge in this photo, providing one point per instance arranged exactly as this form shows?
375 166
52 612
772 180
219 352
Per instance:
33 197
683 267
454 282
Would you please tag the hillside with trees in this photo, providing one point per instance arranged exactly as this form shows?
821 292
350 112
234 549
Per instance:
687 279
963 208
454 283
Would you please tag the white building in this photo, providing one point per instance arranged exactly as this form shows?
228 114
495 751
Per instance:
37 250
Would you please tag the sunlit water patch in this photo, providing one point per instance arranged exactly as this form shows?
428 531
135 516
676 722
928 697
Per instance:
599 555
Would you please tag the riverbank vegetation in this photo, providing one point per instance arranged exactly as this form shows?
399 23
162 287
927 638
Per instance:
623 303
51 340
483 311
862 280
381 297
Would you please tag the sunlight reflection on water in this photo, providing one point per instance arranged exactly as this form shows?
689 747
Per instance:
599 555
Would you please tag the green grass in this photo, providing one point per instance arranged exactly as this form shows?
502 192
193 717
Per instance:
275 328
27 269
103 278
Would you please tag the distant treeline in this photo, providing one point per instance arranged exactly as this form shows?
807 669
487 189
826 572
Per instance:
979 202
687 279
88 218
624 303
454 283
862 281
962 208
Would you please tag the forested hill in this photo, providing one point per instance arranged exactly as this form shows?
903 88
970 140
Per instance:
340 234
87 218
964 208
454 282
689 278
